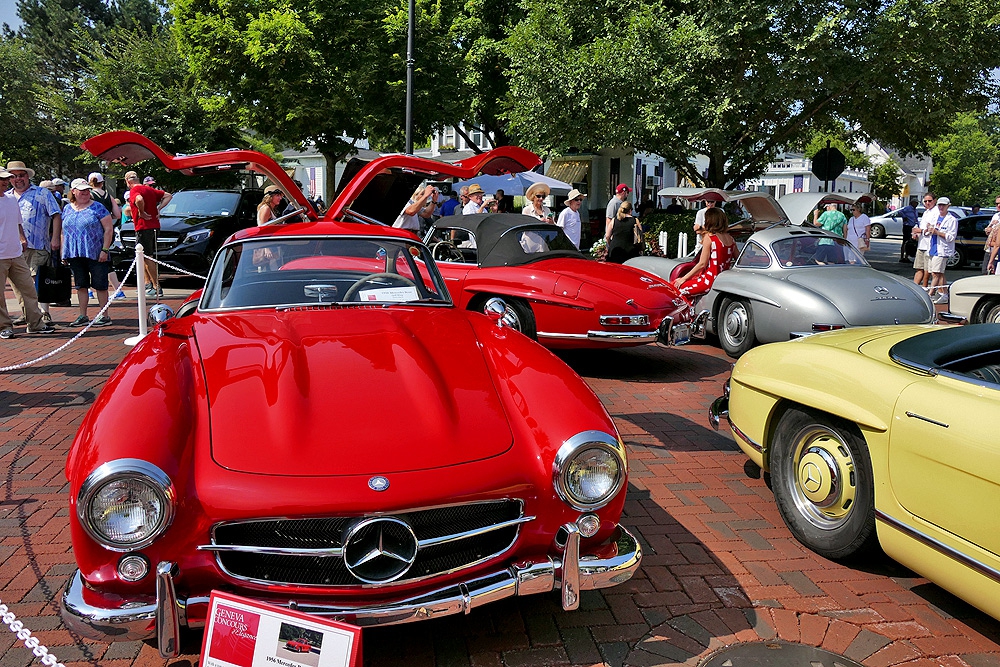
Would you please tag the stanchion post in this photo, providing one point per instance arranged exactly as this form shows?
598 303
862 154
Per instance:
140 282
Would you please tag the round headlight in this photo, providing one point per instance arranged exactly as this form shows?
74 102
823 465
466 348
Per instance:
126 504
589 470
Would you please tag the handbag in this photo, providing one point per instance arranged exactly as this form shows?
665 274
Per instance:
53 282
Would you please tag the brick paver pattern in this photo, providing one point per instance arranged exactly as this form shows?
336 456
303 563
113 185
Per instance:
720 567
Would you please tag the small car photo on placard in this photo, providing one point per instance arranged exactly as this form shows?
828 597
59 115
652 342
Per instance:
299 644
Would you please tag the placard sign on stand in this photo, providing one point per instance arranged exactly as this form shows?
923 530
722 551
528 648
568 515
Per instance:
240 632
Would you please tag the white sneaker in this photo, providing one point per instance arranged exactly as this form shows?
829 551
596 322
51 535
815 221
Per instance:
942 297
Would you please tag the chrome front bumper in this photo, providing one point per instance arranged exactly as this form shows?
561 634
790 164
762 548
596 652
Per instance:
164 618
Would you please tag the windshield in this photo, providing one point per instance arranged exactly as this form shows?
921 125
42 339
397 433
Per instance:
201 202
815 251
276 272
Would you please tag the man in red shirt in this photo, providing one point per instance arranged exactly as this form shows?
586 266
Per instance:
146 202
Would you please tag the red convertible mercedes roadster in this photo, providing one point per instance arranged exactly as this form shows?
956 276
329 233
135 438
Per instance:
323 429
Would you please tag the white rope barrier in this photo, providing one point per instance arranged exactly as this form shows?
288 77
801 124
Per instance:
30 641
173 267
16 367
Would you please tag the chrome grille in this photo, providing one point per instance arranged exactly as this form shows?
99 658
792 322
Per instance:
311 552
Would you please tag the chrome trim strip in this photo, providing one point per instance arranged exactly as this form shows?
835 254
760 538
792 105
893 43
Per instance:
567 336
332 552
444 539
940 547
914 415
527 577
744 437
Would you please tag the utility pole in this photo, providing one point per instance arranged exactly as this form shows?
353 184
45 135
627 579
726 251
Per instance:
410 29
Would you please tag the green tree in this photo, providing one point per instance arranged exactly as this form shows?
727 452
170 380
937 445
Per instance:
967 160
155 95
19 98
296 70
738 81
884 179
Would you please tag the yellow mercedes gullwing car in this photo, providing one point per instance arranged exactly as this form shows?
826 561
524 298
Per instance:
882 436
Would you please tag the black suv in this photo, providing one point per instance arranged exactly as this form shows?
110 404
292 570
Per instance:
193 226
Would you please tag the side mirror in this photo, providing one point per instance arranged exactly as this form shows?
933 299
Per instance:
495 309
159 314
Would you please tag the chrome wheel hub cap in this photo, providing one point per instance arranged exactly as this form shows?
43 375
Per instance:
822 478
736 323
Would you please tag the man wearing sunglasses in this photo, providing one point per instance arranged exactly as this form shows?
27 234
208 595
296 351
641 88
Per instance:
942 235
923 237
476 203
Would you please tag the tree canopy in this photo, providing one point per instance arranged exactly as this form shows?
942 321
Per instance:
737 81
967 160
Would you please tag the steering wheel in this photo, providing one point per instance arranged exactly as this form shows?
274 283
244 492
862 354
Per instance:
443 251
353 290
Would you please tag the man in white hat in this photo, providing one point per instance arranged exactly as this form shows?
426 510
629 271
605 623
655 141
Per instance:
15 269
569 218
476 203
942 230
41 217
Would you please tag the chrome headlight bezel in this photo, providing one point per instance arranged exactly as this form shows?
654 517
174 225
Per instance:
573 447
119 469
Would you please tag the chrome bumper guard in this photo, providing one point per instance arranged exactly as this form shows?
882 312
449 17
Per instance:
165 617
636 336
951 318
719 408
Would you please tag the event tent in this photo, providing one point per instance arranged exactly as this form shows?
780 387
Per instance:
516 184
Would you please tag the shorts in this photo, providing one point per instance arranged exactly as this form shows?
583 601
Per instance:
147 238
90 273
35 258
937 264
920 261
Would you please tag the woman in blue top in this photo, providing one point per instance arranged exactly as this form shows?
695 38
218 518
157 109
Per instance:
86 241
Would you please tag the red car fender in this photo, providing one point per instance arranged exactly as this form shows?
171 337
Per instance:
164 418
527 374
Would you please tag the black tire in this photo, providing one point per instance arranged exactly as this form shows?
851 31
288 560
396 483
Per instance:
836 518
957 260
877 231
987 312
735 327
518 315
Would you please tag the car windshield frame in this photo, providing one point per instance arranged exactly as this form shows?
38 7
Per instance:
188 197
282 272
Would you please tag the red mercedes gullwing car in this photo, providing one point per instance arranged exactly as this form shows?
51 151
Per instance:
323 428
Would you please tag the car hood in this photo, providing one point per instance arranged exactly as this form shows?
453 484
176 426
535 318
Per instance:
646 290
185 223
354 391
866 296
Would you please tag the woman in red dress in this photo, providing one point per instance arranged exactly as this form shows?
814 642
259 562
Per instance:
718 252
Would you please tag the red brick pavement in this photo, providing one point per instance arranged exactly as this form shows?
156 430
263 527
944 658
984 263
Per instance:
719 568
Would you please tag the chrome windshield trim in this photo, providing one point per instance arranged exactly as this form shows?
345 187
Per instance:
940 547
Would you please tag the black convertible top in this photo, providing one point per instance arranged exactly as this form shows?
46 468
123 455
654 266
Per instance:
510 239
962 351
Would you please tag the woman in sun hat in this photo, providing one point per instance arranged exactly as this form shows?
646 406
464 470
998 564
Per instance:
535 207
87 232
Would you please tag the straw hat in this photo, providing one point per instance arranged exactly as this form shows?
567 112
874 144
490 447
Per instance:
536 189
17 165
474 189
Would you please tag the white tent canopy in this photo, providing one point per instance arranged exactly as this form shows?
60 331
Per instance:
516 184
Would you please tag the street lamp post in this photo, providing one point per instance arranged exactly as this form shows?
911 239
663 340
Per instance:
409 78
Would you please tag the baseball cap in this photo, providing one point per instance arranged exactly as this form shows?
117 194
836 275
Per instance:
80 184
95 175
622 187
149 180
131 175
56 182
944 200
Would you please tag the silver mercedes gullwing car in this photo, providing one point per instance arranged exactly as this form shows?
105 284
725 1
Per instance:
792 280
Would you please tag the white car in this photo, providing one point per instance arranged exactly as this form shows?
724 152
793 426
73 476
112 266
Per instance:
975 300
891 222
